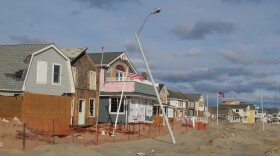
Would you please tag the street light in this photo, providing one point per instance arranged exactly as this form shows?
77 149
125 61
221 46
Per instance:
157 10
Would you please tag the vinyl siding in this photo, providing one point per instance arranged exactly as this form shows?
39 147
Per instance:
104 116
51 57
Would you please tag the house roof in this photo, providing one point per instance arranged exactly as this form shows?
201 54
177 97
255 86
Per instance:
108 57
73 53
193 97
162 86
14 62
240 106
221 110
176 95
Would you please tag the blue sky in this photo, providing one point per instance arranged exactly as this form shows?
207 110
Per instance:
192 46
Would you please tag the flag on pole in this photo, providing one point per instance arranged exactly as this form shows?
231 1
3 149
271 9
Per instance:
221 94
135 76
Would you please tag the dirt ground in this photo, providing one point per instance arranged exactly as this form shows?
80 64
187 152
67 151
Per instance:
224 139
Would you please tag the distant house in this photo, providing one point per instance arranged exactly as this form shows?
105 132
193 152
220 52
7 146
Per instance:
36 85
223 113
85 75
245 110
168 109
195 104
139 96
179 102
232 116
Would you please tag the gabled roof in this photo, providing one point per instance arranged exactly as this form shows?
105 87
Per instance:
162 86
109 58
221 111
14 62
176 95
193 97
73 53
240 106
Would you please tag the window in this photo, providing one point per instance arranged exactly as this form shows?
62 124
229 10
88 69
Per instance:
237 110
92 80
119 73
56 74
91 108
42 72
114 104
191 104
81 105
74 72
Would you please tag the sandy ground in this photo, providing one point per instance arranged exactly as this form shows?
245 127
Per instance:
224 139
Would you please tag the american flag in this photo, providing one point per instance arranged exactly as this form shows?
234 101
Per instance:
221 94
135 76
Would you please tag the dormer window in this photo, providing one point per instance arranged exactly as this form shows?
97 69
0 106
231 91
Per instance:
119 73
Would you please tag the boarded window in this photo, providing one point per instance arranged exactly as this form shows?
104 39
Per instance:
92 80
42 72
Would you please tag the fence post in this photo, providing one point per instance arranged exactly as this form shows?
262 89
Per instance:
23 137
97 134
73 130
139 130
158 129
186 124
150 129
53 132
128 131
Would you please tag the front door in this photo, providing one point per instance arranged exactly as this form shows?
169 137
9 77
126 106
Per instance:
81 112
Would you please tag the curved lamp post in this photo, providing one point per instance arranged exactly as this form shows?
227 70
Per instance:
157 10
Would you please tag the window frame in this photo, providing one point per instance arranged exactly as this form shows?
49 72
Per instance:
110 106
93 111
53 74
92 84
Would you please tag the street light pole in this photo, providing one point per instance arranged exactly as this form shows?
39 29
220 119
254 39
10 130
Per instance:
157 10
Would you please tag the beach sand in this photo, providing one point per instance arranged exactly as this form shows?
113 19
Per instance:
223 139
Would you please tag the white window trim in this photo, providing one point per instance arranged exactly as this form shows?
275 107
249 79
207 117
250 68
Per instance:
117 109
92 84
59 73
37 73
93 107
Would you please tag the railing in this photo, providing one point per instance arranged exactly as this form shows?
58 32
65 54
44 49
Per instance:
120 79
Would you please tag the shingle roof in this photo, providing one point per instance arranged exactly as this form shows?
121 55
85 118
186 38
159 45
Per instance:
73 53
221 110
14 62
240 106
108 57
193 97
176 95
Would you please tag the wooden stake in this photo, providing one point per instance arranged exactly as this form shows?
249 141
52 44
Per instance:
23 139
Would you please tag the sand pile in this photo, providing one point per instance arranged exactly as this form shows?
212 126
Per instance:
224 139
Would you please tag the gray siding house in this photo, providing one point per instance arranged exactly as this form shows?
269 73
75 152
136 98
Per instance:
138 98
34 68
